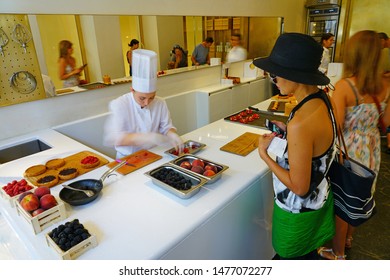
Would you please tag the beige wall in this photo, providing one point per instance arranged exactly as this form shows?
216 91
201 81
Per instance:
359 15
129 30
369 14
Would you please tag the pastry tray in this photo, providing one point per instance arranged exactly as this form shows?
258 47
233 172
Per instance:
70 161
260 122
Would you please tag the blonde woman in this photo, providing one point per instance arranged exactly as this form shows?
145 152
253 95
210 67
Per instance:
68 72
357 114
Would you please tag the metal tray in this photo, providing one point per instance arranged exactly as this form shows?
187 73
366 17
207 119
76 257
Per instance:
196 181
190 158
190 147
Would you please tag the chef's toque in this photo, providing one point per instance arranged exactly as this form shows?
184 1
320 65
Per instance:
144 70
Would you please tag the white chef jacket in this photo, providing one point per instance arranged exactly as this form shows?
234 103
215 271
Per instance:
237 53
325 60
127 116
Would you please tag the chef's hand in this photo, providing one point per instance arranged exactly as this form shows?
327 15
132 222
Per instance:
176 141
157 139
143 139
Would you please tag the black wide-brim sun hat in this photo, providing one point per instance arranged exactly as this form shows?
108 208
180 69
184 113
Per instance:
295 57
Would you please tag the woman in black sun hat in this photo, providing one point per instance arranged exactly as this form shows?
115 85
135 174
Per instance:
303 204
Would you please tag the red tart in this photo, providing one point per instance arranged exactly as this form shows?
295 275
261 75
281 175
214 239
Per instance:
90 162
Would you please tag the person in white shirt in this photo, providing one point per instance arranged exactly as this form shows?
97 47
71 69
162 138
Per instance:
140 119
48 84
327 41
237 52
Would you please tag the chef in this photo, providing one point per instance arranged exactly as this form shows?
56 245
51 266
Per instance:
140 119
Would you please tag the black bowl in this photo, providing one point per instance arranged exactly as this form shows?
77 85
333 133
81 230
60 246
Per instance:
80 198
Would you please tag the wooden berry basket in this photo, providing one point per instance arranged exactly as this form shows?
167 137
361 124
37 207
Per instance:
46 218
75 251
13 200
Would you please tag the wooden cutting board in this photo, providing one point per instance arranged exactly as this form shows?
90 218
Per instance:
138 159
243 144
70 161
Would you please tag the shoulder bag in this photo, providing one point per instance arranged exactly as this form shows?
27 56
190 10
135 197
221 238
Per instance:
352 185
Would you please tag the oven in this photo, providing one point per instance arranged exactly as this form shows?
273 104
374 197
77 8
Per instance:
323 17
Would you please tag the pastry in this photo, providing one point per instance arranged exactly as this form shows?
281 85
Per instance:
35 170
275 106
68 173
55 163
90 162
47 181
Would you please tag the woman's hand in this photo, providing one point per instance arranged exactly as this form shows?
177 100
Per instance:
264 142
280 124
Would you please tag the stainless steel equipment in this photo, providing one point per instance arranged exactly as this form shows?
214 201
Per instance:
323 17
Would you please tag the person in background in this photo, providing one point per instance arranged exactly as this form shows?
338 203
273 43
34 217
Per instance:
327 40
303 217
385 41
48 85
178 58
140 119
357 115
68 72
200 55
134 44
237 52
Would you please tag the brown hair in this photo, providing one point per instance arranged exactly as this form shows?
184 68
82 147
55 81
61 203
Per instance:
64 46
325 37
362 60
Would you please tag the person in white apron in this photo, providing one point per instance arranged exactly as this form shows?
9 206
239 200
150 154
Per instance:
140 119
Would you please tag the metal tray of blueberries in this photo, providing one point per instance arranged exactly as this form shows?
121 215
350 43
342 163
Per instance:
188 162
190 147
176 181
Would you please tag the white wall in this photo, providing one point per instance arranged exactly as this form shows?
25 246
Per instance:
293 11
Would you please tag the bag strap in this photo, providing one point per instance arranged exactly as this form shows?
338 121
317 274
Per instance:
378 106
339 133
340 136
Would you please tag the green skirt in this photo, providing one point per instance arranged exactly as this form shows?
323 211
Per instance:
297 234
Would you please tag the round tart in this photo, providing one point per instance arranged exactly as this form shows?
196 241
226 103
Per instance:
68 173
55 163
47 181
90 162
35 170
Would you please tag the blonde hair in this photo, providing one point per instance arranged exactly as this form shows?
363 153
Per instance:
362 61
64 46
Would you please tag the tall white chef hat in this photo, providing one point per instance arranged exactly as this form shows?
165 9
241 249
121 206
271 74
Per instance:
144 70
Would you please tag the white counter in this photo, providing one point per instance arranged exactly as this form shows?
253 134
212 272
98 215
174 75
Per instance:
135 219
